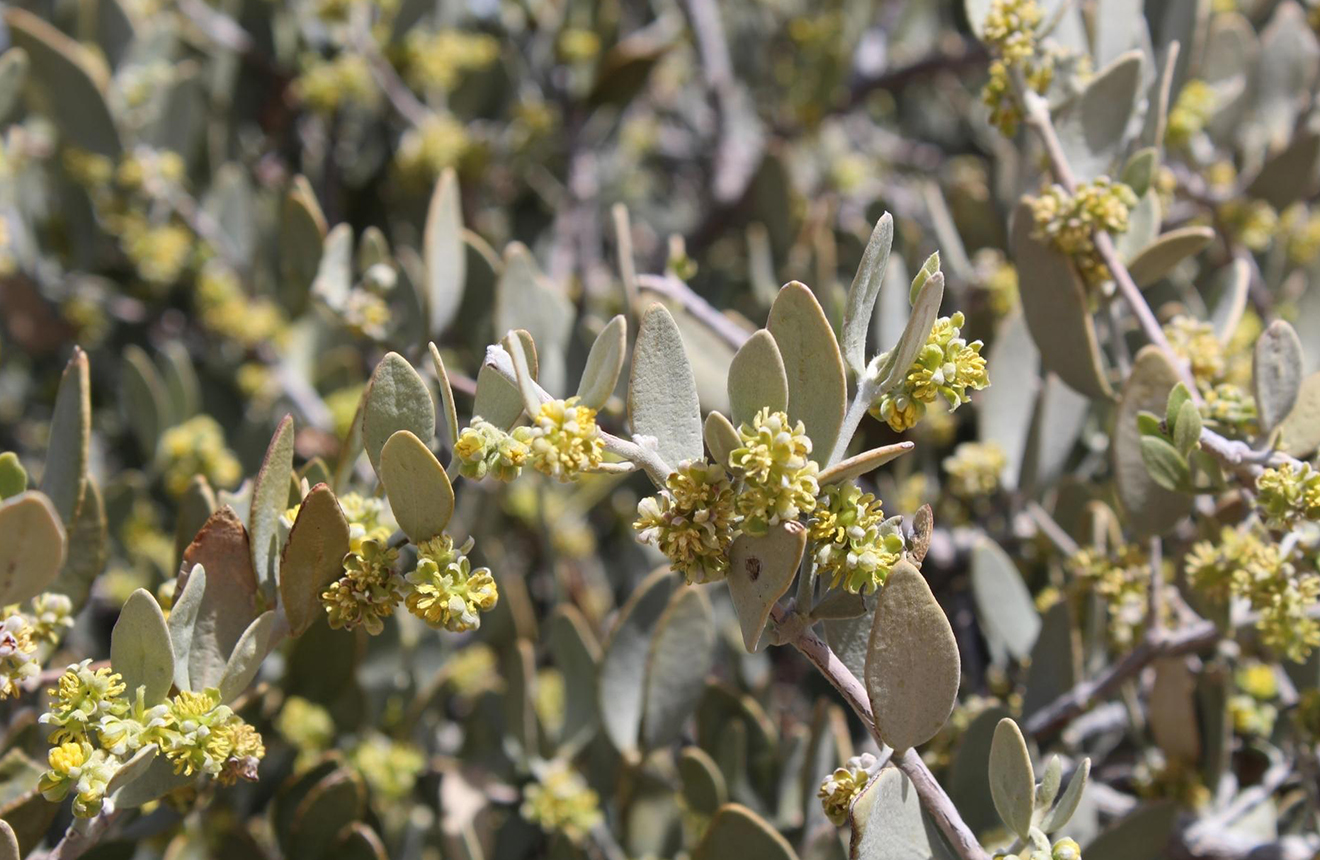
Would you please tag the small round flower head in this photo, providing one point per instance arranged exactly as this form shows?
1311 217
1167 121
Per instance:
1195 106
122 735
947 366
691 521
560 801
1286 495
241 748
197 447
446 591
778 474
1195 342
77 767
483 449
855 547
81 699
1069 221
563 440
1231 409
366 520
974 469
1010 26
197 745
51 614
1252 718
390 767
305 724
16 648
1066 849
367 592
839 789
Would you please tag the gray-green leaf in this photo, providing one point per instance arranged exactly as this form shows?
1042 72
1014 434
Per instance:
313 557
662 393
420 494
1092 128
863 293
1276 373
140 648
396 399
623 666
270 499
1003 601
1158 259
444 253
249 652
817 381
34 546
761 569
757 379
925 310
1012 781
65 478
682 652
604 363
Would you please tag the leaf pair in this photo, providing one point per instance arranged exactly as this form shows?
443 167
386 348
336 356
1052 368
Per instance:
1023 806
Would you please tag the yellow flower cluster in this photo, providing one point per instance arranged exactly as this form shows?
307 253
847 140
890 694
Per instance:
1187 118
855 546
424 152
483 449
947 366
446 591
998 278
1286 495
327 85
560 801
974 468
438 60
1069 221
563 440
306 725
1245 565
1196 343
225 308
778 474
838 790
390 767
1122 579
1251 709
196 447
1062 849
1303 228
159 252
368 591
692 521
17 664
1010 29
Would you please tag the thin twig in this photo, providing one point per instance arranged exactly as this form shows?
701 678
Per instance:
81 837
673 288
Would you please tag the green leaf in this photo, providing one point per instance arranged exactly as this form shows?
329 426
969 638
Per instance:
8 842
912 663
420 494
1228 297
626 67
817 381
757 379
140 648
447 410
524 299
334 271
623 666
1093 126
867 461
1062 812
1160 257
703 784
925 311
1299 433
761 570
1165 465
1151 508
1054 300
196 504
154 782
604 363
71 92
249 652
90 534
682 652
1178 396
887 823
396 399
313 557
270 499
301 238
1286 65
144 399
1276 373
721 438
1172 714
498 400
1012 781
13 477
357 841
1187 433
1149 424
662 393
1049 783
1290 176
928 270
33 548
443 251
65 478
862 295
1140 170
228 603
1004 605
736 831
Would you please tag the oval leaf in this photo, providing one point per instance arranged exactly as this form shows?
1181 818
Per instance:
1158 259
757 379
721 438
313 557
623 666
761 569
682 652
33 548
396 399
604 363
228 603
817 381
65 478
249 652
1093 126
140 648
420 494
864 291
1003 601
444 253
1152 509
270 499
863 463
1012 780
1299 433
662 393
1277 373
736 831
887 823
912 664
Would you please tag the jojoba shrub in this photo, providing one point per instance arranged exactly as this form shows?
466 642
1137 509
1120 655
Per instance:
519 429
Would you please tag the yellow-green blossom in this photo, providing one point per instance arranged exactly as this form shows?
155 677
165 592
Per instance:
196 447
483 449
947 366
1286 495
1010 26
438 60
560 801
209 738
855 546
692 521
366 518
778 474
305 724
81 699
327 85
563 440
446 591
367 592
1195 105
51 614
838 790
1066 849
974 469
16 661
998 278
389 767
425 151
1069 221
1122 579
77 767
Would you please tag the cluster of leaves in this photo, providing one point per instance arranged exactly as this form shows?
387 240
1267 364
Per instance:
344 564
